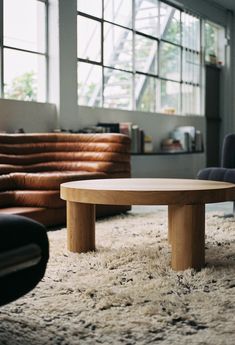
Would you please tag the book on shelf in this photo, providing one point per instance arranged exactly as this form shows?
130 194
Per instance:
130 129
184 139
135 139
198 141
125 128
110 127
136 134
186 136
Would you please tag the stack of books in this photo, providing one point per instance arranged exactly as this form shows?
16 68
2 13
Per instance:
136 134
128 128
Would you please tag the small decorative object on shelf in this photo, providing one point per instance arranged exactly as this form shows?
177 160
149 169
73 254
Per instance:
183 139
171 145
213 58
148 144
168 110
20 130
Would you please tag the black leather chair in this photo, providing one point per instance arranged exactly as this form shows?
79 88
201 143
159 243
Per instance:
24 253
226 172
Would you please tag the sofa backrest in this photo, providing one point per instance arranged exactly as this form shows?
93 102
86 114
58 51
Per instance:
107 153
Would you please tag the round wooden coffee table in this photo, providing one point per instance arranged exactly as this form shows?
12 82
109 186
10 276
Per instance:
186 201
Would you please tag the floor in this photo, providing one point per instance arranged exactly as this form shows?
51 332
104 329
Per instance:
225 207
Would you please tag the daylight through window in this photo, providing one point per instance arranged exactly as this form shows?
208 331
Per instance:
138 55
24 51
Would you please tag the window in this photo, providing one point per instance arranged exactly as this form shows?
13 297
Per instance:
214 43
138 55
24 50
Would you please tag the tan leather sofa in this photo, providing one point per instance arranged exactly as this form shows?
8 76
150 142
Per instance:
32 167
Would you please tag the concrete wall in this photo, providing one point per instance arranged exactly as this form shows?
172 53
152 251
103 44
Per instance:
154 124
31 116
167 166
158 126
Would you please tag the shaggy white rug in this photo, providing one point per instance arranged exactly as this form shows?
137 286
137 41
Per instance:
126 292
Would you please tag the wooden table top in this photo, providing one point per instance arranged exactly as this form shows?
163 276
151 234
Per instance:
147 191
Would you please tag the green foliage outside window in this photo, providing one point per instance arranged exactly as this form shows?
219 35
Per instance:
210 41
23 88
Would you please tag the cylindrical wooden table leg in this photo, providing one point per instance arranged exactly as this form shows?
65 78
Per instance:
80 227
187 224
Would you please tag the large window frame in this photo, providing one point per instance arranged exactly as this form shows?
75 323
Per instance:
157 78
34 52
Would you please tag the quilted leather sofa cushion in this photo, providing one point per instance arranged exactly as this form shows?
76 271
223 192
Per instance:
46 180
32 167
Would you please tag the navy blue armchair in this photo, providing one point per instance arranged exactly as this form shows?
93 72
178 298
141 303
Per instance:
24 253
226 172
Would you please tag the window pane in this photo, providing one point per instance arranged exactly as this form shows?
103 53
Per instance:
163 51
117 47
191 31
170 97
145 54
211 41
169 61
24 24
117 89
118 11
89 84
89 39
146 17
24 80
191 67
169 23
145 93
92 7
214 43
191 99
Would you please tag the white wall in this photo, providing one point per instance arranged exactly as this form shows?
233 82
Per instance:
154 124
68 62
63 60
167 166
158 126
31 116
